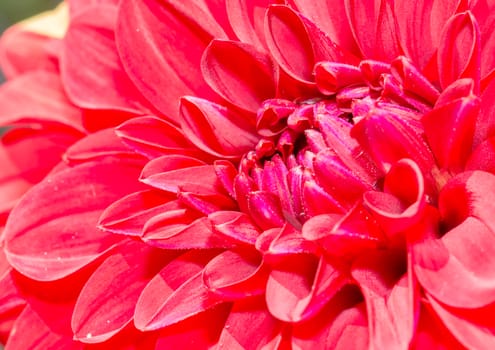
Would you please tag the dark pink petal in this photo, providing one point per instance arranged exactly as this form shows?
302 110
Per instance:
402 201
37 95
458 268
107 301
484 14
265 209
235 225
22 51
167 37
154 137
41 336
91 70
300 285
297 44
390 301
216 129
459 50
52 232
373 26
420 25
176 293
200 331
129 214
236 274
470 334
97 146
332 19
279 243
372 72
263 330
239 73
11 299
226 174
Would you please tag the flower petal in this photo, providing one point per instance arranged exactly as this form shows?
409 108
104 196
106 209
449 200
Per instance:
239 73
37 95
373 26
91 70
103 307
52 233
176 293
216 129
459 51
165 36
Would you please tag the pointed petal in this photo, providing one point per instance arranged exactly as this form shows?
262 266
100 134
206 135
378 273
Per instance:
176 293
216 129
459 51
52 233
239 73
236 225
103 307
165 36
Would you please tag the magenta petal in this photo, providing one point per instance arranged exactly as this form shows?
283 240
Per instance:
373 26
331 76
216 129
176 293
239 73
52 233
103 307
300 285
165 36
485 122
265 209
91 70
483 157
37 95
459 50
263 328
460 273
236 274
129 214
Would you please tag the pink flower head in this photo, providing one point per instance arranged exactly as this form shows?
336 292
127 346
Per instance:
260 174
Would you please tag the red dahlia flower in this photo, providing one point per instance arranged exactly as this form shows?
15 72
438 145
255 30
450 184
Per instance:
288 174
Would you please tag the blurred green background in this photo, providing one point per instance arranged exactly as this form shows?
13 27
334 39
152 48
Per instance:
12 11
